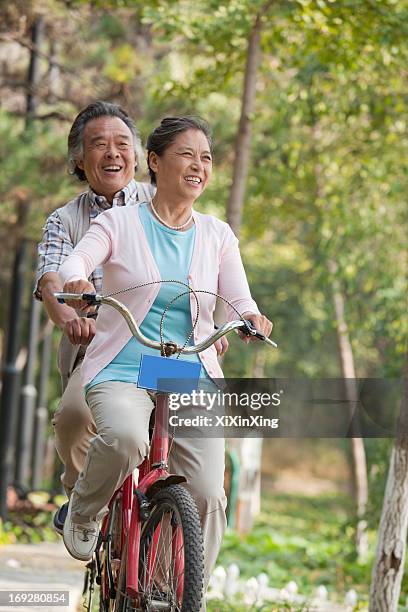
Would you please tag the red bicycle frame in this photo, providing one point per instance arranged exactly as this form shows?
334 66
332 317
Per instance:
153 475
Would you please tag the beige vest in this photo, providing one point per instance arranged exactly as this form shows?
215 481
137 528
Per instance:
75 219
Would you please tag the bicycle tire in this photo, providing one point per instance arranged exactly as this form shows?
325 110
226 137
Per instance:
173 504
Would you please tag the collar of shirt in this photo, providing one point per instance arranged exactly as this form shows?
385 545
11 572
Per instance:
123 197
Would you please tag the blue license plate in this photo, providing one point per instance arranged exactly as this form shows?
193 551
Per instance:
168 375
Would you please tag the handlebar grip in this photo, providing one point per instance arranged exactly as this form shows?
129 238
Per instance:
260 335
250 330
90 298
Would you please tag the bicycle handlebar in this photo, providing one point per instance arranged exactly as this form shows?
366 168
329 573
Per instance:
94 298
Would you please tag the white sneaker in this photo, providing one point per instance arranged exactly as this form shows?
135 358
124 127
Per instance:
80 539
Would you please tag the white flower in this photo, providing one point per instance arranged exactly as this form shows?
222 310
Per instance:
292 587
351 598
321 592
251 591
232 583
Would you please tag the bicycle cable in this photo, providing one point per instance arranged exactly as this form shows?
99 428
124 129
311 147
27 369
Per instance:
170 346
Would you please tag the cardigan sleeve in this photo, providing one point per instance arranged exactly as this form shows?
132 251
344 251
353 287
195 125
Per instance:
93 250
232 280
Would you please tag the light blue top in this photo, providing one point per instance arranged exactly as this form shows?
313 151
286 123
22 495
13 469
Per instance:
172 251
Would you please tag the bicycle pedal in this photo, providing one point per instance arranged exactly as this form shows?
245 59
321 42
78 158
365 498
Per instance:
144 505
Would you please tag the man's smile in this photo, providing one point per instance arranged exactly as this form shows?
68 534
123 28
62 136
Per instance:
112 168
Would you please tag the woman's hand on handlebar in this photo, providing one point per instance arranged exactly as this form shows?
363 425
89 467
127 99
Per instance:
221 346
260 322
79 286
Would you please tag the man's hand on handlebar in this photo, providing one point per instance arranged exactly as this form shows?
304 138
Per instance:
80 330
79 286
261 324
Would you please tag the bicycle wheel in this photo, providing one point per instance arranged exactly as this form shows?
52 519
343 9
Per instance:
171 558
110 558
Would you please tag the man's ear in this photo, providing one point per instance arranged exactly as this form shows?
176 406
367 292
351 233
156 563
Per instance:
80 163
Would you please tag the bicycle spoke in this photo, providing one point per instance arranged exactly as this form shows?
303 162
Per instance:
159 571
157 559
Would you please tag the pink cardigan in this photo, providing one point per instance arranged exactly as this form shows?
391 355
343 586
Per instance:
116 239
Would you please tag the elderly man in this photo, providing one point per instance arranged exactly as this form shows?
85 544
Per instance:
103 151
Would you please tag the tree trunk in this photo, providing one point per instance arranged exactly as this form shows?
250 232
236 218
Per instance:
54 72
249 450
37 33
358 456
359 464
388 568
250 456
243 138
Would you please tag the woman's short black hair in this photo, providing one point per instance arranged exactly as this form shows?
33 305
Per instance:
165 134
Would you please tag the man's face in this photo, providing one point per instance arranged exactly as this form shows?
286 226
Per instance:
108 155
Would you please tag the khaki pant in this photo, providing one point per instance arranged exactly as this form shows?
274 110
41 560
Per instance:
74 428
121 413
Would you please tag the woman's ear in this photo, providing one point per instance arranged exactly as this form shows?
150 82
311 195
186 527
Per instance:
152 161
80 163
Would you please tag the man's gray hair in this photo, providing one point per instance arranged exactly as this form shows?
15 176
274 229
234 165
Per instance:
76 134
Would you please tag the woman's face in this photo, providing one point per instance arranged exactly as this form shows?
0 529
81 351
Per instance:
185 167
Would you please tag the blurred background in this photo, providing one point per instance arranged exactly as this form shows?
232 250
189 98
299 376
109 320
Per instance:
307 101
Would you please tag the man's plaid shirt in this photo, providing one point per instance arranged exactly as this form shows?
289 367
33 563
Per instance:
56 243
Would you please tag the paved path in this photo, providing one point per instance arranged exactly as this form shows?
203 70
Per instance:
45 566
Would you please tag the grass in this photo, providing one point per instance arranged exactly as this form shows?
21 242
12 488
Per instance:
308 540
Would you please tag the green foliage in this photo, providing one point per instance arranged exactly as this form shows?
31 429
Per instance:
378 455
220 606
309 540
33 171
26 528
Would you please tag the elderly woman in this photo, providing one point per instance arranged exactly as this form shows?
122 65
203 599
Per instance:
161 239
